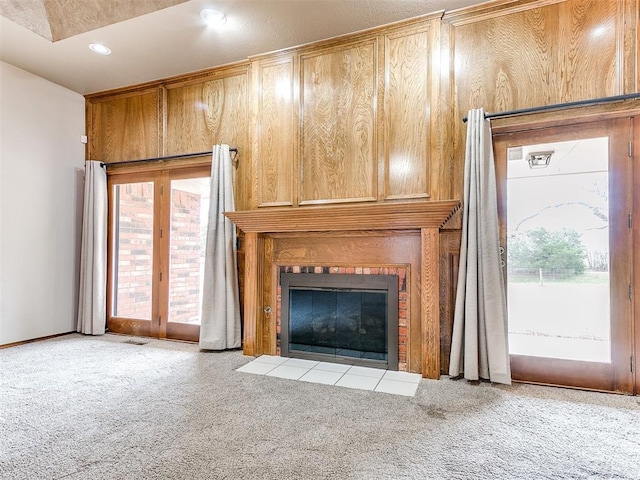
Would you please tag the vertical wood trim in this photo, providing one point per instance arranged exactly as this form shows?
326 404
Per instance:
162 120
444 134
296 106
449 261
430 303
435 115
251 280
110 247
381 117
162 221
268 330
627 45
621 197
254 106
636 249
88 126
379 67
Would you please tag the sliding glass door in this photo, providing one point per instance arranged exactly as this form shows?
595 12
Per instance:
158 223
565 201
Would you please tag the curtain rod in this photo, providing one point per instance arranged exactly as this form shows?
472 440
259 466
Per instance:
159 159
579 103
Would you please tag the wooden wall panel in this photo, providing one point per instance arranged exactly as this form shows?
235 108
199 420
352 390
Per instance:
449 262
407 91
338 124
274 146
203 114
532 54
538 56
124 127
208 112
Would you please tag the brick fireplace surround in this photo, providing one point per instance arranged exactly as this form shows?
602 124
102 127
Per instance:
403 298
392 237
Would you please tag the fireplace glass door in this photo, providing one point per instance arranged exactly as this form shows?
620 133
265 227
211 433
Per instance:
327 317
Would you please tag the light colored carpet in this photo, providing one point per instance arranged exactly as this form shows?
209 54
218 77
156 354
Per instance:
79 407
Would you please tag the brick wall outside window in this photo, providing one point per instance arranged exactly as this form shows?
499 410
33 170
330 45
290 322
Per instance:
135 254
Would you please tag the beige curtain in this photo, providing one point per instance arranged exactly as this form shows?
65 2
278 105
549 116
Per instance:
92 307
220 327
479 347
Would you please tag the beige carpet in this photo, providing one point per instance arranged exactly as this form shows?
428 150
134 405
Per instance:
94 408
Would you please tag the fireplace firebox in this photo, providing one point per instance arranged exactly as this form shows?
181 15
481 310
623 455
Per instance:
343 318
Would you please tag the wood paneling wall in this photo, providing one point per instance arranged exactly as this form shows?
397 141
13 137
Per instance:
180 115
348 120
376 116
512 55
124 127
407 101
338 151
203 114
274 146
212 109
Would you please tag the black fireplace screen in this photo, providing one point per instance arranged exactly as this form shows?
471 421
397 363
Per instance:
341 317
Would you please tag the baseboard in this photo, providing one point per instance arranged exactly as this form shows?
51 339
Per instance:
39 339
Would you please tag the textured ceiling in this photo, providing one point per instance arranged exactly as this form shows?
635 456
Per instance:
153 39
58 19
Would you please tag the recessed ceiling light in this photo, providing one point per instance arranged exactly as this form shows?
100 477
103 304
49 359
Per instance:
213 18
100 49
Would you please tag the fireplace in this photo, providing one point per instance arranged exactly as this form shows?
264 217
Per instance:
398 238
343 318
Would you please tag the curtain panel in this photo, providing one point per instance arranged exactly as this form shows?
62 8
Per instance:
220 326
479 346
92 307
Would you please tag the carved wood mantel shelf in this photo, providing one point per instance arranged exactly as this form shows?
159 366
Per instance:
375 216
426 217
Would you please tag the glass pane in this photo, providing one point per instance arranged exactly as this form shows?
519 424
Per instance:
133 252
558 250
340 323
189 217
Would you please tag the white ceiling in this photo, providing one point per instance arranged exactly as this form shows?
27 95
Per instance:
173 40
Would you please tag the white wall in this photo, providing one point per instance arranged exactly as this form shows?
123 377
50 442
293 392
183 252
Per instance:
41 172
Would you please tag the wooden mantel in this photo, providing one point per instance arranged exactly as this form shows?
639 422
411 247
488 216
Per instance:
427 217
329 218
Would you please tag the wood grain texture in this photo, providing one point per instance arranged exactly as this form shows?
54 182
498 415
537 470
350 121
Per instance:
338 145
208 112
268 313
124 127
448 265
537 57
252 294
327 218
407 98
430 303
620 250
300 246
532 54
274 146
204 114
636 248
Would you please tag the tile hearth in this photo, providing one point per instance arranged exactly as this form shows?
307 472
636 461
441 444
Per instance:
362 378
